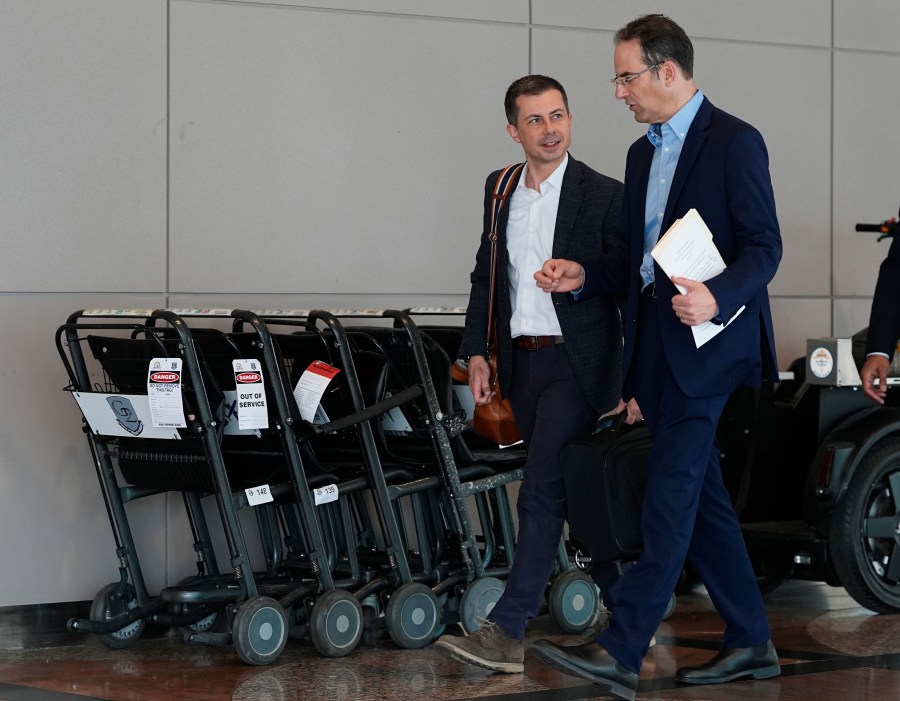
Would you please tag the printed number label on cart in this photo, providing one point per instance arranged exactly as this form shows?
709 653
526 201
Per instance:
325 494
259 495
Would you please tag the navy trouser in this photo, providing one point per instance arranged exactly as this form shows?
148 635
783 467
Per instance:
687 513
550 410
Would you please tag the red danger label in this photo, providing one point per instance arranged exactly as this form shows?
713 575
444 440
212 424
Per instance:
246 377
164 377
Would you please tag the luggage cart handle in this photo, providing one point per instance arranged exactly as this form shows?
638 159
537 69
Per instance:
371 412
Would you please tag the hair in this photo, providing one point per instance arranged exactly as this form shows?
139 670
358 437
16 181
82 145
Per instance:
530 85
661 39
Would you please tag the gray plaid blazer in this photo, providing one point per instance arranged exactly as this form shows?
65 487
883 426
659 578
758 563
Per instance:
587 231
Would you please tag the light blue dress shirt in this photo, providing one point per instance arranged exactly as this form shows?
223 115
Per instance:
667 139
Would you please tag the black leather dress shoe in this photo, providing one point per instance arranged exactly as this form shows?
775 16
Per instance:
760 662
589 661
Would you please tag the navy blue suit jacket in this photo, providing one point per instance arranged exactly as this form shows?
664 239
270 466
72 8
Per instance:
884 322
723 173
587 228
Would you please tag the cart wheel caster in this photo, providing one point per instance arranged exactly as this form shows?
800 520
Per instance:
106 606
259 631
209 623
478 600
412 615
204 625
573 601
336 623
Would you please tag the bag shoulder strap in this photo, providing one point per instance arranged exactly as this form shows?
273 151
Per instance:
502 189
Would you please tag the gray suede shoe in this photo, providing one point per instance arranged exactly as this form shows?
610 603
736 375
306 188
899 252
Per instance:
489 647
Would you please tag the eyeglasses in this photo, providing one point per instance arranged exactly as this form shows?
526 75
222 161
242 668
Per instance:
626 79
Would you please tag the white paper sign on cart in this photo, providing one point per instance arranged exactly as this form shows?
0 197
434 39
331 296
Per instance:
126 415
251 394
164 393
311 386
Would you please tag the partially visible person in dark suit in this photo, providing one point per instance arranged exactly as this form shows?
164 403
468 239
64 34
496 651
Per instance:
560 361
693 156
884 325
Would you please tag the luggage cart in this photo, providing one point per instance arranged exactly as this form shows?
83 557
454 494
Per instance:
190 461
319 608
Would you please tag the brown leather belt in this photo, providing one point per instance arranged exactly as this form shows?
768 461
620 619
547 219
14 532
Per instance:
536 342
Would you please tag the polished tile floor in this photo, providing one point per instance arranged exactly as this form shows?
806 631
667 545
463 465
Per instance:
830 648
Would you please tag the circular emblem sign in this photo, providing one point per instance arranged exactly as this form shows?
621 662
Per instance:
821 362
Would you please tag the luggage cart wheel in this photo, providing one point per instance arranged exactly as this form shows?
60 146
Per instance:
412 615
212 622
477 601
574 601
336 623
259 630
107 606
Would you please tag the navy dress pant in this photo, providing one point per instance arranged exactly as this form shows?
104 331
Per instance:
687 514
550 410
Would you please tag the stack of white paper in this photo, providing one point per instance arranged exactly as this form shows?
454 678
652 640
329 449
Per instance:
687 250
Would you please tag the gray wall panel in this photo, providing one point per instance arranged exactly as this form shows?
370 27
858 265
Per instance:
495 10
866 144
298 135
805 22
850 315
796 319
868 26
53 516
83 183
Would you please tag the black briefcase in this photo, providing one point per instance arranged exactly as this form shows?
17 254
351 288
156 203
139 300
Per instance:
604 477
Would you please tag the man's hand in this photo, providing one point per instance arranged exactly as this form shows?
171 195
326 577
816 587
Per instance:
697 306
480 379
633 411
876 367
560 275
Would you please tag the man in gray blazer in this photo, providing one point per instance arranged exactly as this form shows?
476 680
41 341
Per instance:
559 361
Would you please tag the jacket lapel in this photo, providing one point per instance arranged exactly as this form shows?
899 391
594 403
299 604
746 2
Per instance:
570 198
693 143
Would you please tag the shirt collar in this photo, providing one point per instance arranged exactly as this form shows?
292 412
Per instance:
554 179
679 123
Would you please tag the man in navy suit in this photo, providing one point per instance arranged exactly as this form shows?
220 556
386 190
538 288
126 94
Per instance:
694 156
884 325
560 361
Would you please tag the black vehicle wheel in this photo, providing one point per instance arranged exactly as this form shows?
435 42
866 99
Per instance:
573 601
259 630
412 615
336 623
477 601
864 531
107 605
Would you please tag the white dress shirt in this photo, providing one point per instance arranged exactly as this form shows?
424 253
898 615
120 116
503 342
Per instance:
529 241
